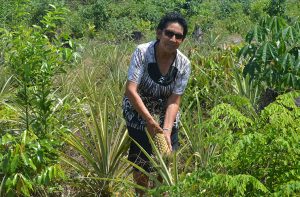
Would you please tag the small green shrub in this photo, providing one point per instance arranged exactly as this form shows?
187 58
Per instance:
100 13
272 53
257 9
121 28
29 149
276 7
253 156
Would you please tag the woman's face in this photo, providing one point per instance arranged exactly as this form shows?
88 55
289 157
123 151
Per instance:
170 37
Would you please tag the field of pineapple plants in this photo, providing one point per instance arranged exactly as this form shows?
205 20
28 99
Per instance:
63 68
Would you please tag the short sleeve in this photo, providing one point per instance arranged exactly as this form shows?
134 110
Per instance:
136 67
182 80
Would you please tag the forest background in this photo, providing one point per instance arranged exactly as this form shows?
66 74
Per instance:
63 66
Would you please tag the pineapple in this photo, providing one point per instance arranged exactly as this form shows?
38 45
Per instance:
161 143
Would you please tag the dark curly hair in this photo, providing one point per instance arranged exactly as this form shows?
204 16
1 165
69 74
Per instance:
173 17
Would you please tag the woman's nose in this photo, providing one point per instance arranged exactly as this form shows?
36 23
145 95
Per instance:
173 38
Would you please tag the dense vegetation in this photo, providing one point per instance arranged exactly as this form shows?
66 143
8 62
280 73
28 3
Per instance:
63 67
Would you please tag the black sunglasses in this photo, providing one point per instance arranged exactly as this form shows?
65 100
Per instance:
170 34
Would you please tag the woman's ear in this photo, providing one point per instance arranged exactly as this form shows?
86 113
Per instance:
158 34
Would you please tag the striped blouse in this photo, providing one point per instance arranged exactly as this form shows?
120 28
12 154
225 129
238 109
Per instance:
153 87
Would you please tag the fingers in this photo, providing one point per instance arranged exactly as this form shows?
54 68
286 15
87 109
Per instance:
151 131
168 139
153 127
170 146
159 130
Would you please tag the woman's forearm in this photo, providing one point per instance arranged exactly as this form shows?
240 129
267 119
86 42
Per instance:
136 101
171 111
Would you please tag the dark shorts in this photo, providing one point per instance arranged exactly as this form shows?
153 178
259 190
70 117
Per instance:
137 156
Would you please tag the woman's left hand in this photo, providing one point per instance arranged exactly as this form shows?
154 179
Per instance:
168 139
170 116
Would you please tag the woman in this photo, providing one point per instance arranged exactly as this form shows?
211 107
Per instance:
157 77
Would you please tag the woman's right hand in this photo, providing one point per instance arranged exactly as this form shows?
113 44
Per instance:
153 127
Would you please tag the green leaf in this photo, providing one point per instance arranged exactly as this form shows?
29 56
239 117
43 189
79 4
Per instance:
249 36
267 52
6 139
31 164
15 179
297 64
250 69
244 51
295 51
276 24
257 34
24 135
281 47
288 33
50 173
296 25
25 185
14 162
284 61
